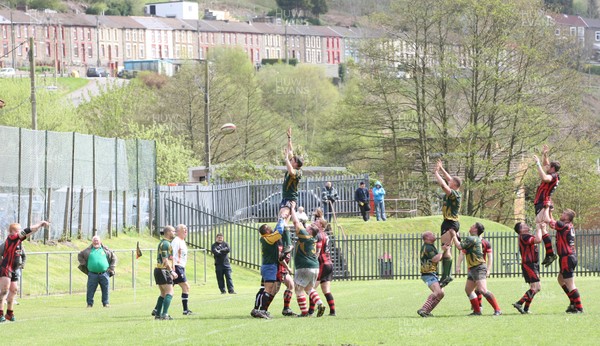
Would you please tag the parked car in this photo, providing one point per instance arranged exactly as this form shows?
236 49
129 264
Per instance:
127 74
97 72
268 209
7 72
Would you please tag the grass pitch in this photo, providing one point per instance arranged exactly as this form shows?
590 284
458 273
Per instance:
369 313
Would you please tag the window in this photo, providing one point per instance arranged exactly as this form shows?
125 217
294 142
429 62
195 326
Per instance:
89 51
135 35
573 31
5 48
189 37
557 32
580 31
597 34
127 35
318 39
190 51
177 51
141 51
318 54
116 51
128 49
75 51
102 51
89 34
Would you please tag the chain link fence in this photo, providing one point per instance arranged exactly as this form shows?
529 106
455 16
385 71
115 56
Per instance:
83 184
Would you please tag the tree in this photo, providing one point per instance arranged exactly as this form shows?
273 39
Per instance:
318 7
172 156
116 105
302 96
484 88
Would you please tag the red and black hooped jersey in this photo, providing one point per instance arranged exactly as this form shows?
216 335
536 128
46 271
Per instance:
11 246
545 190
528 249
324 248
565 238
486 247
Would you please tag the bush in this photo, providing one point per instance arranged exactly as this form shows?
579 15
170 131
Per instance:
153 80
592 69
291 61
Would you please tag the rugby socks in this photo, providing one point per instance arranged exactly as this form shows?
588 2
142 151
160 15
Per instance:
314 297
564 287
479 297
446 267
489 296
166 304
258 297
575 299
184 301
302 304
287 299
474 302
330 302
265 300
429 303
548 244
312 302
158 307
529 298
271 297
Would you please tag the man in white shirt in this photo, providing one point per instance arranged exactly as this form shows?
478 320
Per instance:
179 260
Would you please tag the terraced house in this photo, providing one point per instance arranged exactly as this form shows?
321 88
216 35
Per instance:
77 41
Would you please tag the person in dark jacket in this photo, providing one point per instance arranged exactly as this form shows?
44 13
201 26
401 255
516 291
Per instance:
328 197
361 196
98 263
220 249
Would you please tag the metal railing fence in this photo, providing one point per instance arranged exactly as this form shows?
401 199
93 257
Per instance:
365 257
48 273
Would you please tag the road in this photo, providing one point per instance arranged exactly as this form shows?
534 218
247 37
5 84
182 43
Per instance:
93 88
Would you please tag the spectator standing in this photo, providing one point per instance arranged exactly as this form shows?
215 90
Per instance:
361 196
98 263
15 236
378 198
220 249
180 252
328 197
302 217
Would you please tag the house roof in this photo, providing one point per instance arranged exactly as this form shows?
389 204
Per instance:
592 22
567 20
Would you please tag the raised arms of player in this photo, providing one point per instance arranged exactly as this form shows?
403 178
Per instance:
289 153
32 229
543 166
295 220
445 174
439 178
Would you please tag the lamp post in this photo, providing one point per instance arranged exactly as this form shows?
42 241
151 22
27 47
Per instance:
12 34
206 120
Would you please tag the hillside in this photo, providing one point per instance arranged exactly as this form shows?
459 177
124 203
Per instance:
412 225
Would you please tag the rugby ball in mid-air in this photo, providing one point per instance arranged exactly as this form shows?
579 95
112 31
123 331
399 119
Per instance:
228 128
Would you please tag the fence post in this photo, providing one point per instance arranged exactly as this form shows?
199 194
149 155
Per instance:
47 274
70 273
132 269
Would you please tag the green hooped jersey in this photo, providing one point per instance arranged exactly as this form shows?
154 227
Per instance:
428 252
473 251
306 256
269 248
451 206
164 251
289 189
